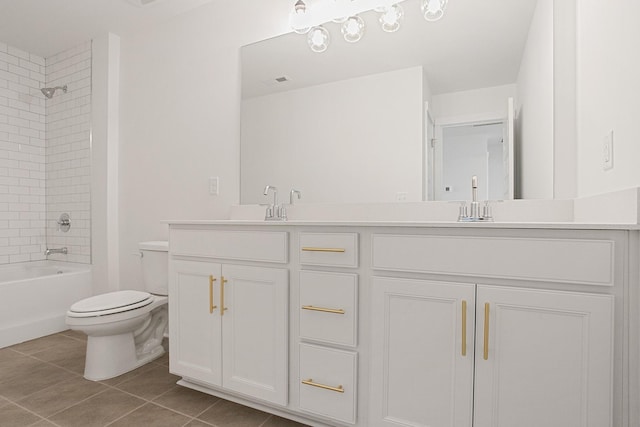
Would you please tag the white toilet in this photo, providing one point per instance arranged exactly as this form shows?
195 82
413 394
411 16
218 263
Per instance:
125 328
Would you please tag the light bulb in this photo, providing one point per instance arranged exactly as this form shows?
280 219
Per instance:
353 29
298 13
390 18
433 9
318 39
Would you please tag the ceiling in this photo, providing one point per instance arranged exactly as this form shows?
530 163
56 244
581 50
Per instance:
477 44
47 27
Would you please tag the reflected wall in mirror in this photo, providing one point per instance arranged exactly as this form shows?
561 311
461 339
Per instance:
360 122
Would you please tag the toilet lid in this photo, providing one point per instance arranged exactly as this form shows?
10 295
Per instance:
112 302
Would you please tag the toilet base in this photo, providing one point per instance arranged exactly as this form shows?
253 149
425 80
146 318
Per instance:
102 362
109 356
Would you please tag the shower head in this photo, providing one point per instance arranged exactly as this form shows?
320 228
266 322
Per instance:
49 91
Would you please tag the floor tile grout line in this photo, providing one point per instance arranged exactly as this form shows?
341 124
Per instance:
209 407
76 403
126 413
265 421
67 407
29 411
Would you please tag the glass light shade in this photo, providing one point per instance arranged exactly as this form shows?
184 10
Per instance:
433 9
318 39
299 11
390 18
353 29
301 30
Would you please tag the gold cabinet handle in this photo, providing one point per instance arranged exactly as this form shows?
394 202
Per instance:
212 306
310 249
464 327
310 382
222 307
324 310
486 332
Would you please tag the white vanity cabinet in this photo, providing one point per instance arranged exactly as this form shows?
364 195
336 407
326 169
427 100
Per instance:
328 325
391 325
543 358
452 354
422 353
228 323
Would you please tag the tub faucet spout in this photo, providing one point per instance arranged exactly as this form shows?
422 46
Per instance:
55 251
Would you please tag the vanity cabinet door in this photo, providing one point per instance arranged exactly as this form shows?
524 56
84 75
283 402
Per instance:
544 358
195 321
422 357
255 331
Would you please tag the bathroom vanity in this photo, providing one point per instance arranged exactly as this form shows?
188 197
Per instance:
410 323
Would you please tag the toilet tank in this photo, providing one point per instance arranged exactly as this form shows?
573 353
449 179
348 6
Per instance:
155 266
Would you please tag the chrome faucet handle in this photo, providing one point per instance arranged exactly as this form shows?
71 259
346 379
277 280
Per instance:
486 211
462 214
292 193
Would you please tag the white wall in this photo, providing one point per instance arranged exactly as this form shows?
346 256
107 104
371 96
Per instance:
104 152
535 108
608 94
471 105
180 118
286 141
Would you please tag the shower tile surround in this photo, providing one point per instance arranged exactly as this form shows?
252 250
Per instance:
44 154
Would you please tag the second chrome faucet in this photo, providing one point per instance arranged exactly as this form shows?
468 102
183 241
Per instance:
275 211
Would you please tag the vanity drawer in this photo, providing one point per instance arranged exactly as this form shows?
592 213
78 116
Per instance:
328 307
329 249
261 246
328 380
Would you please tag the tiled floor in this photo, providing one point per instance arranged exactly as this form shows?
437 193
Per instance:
41 384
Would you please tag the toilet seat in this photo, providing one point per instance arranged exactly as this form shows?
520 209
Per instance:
110 303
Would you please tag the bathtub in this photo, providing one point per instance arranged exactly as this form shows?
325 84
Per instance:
35 296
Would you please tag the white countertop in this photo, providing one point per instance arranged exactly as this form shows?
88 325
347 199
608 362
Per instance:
409 224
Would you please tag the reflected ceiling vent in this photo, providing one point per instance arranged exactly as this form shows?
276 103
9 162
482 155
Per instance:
142 3
276 81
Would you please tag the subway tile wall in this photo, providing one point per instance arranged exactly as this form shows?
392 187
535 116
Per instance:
68 152
44 154
22 156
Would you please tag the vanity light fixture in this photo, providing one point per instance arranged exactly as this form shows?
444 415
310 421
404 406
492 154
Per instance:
300 9
390 17
433 9
353 29
318 39
345 12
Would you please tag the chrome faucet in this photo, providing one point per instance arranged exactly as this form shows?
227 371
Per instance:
474 214
55 251
274 212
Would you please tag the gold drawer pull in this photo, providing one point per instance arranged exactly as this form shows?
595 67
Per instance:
222 307
324 310
464 328
308 249
212 305
310 382
485 354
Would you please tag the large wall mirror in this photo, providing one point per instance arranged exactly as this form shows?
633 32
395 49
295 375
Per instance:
370 121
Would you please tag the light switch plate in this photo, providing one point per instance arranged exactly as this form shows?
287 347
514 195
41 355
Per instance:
213 185
607 151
